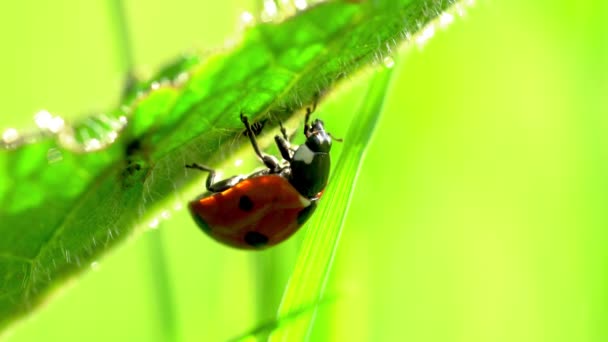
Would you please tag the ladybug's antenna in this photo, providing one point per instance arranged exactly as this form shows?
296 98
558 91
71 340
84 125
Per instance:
334 138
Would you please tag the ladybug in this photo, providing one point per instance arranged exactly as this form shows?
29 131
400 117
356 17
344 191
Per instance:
268 206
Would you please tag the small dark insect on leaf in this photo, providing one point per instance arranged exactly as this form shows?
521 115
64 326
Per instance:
132 148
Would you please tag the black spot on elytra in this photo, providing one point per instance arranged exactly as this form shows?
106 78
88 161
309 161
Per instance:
245 203
256 239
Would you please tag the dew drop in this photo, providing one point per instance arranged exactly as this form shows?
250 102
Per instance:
112 136
55 124
445 19
42 118
389 62
165 215
460 10
425 35
181 79
67 138
92 145
10 135
270 10
238 162
154 223
301 4
246 18
95 266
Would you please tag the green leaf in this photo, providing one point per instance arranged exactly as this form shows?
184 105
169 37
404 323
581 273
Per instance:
77 189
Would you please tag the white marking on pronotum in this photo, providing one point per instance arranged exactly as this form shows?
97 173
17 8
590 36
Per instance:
304 154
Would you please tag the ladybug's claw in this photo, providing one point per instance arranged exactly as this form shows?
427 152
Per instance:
199 167
269 161
244 119
307 121
283 130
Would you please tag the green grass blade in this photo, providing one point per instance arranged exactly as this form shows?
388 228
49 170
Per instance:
78 188
262 331
319 247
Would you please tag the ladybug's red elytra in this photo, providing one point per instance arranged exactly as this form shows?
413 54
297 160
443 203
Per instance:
266 207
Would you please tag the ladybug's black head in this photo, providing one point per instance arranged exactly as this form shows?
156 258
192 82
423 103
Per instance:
317 139
311 161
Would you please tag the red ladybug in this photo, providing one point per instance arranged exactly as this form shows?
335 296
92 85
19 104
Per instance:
268 206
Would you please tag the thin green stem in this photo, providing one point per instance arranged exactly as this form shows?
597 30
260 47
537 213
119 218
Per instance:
118 15
162 288
159 271
124 46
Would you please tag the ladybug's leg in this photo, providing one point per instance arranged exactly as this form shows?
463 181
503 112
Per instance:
284 147
211 184
283 144
256 127
271 162
309 111
283 131
307 121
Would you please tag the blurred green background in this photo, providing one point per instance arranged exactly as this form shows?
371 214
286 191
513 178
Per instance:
480 213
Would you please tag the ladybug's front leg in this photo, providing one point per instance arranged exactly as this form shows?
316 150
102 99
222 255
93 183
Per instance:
271 162
211 184
309 111
284 147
